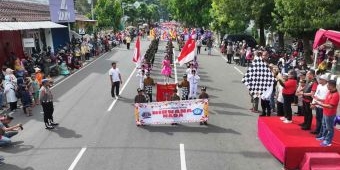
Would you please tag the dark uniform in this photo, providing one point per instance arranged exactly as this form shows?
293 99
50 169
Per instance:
140 98
175 97
184 85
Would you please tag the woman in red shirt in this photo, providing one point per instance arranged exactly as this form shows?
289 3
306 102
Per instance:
329 105
288 93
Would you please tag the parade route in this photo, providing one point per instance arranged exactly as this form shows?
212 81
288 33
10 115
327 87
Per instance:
90 138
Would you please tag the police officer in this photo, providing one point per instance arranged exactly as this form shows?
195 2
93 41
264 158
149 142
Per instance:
46 99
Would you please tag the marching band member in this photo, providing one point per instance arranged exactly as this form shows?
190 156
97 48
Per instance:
193 81
148 83
184 85
204 95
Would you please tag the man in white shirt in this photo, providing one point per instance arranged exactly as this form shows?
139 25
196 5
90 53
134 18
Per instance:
320 94
115 79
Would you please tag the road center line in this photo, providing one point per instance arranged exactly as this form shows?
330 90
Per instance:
182 155
121 90
74 163
237 69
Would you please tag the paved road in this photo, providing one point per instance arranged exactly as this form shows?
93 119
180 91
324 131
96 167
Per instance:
91 137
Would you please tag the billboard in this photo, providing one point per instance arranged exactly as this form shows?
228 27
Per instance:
62 11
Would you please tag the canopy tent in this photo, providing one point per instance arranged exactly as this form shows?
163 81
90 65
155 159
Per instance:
322 36
11 26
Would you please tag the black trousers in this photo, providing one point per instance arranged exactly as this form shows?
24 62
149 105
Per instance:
48 110
13 106
265 105
198 49
280 110
115 88
128 46
150 96
287 105
229 56
308 117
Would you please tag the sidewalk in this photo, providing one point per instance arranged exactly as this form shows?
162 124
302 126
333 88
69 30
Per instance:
56 80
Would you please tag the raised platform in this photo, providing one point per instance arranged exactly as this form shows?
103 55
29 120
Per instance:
288 143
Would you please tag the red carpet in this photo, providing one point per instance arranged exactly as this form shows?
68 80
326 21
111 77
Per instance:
288 143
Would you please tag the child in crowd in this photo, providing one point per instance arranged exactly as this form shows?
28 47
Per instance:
35 87
301 88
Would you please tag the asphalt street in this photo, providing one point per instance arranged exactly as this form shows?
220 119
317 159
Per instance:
99 132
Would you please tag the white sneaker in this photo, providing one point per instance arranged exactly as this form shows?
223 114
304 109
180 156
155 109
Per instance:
283 118
287 121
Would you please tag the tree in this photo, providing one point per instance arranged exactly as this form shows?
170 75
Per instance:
230 15
108 13
302 18
193 13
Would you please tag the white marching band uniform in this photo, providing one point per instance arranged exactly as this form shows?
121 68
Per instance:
193 80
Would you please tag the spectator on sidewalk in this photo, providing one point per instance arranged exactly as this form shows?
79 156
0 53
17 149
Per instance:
10 92
6 131
329 105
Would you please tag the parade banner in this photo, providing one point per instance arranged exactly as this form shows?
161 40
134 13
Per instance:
164 92
184 111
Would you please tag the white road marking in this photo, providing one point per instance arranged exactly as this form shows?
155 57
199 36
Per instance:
182 155
68 77
74 163
238 70
175 67
121 90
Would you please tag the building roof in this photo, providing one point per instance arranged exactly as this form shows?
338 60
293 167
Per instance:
23 12
27 12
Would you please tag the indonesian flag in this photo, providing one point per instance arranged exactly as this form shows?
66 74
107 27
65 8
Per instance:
188 52
136 55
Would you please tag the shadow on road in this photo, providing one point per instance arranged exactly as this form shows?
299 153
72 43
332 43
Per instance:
16 147
182 128
225 105
224 112
14 167
65 133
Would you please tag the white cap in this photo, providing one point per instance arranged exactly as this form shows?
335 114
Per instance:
324 77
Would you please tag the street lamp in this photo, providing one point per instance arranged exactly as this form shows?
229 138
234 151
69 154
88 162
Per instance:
91 3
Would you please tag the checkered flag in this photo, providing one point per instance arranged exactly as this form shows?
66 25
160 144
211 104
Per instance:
258 78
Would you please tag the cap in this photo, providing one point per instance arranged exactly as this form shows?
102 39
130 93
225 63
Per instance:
324 77
9 70
285 74
185 75
44 81
37 69
204 88
139 90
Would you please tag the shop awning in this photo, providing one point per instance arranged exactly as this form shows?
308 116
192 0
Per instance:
11 26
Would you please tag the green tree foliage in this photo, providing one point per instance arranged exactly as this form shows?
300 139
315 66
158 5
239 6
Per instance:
193 13
108 13
230 16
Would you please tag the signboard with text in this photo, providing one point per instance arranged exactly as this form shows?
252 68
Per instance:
28 42
62 11
184 111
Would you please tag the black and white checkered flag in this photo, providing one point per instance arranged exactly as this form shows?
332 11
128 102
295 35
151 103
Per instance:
258 78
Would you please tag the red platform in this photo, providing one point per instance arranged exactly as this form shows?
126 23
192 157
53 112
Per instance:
288 143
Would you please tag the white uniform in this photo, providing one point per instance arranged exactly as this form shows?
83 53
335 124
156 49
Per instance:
193 80
141 78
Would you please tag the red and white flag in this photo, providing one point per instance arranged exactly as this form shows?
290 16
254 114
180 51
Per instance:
188 52
136 55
